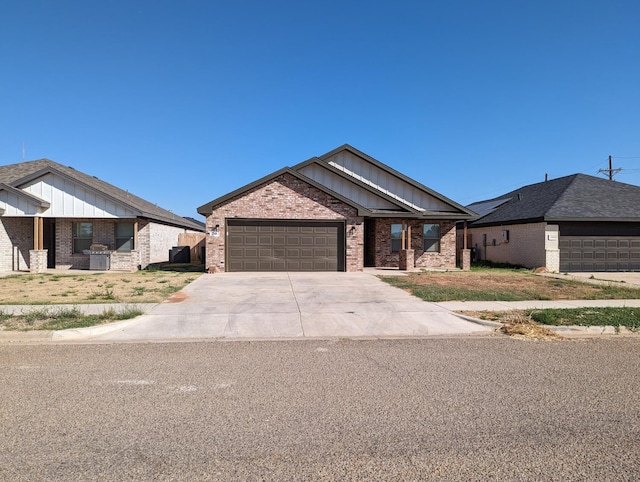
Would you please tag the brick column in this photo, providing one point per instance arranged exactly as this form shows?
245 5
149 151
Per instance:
406 259
38 260
466 260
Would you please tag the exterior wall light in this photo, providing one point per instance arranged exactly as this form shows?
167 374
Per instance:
216 231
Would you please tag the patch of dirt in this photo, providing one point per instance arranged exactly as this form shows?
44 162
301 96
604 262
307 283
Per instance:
178 297
515 323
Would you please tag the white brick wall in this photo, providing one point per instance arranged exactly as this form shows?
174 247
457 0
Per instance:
526 245
16 239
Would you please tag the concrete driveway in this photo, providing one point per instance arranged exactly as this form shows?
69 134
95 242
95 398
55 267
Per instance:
290 305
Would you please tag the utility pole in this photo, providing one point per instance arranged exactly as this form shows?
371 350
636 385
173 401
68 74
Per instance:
611 171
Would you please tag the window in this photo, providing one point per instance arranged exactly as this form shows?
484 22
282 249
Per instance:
124 237
82 237
396 238
431 236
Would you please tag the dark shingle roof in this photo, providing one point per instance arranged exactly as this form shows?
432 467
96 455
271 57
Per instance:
578 197
17 174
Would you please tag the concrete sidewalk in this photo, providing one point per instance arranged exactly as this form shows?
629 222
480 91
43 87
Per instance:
533 305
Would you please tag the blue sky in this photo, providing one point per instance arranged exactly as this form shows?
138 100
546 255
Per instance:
181 102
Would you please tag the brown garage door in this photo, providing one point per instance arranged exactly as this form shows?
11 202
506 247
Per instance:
599 253
270 245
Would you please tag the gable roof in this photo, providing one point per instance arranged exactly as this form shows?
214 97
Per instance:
17 175
354 188
577 197
207 208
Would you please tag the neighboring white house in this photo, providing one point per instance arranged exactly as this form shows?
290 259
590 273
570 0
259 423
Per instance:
51 215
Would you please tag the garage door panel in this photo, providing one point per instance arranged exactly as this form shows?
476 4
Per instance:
294 265
590 253
285 245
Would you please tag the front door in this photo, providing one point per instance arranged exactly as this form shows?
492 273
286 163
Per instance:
49 241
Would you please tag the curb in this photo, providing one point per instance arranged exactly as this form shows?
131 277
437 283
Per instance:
478 321
89 331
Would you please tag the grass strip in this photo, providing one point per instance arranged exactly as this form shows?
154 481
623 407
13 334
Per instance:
63 318
436 293
503 285
620 316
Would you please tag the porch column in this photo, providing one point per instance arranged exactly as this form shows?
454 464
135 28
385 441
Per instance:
38 233
135 235
38 255
465 262
406 256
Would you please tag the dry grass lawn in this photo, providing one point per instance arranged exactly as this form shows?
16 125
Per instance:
504 285
82 287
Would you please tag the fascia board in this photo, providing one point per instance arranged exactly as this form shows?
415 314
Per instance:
591 220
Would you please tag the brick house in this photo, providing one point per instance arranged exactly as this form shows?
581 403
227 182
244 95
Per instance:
570 224
51 214
341 211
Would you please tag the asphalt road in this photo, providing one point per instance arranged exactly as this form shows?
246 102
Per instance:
470 408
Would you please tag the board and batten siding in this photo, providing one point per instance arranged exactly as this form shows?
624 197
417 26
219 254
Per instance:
15 205
72 200
391 185
346 188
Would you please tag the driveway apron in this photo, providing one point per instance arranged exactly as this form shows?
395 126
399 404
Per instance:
291 305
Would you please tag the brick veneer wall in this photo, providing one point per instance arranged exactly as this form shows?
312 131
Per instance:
163 239
103 233
526 246
16 239
125 261
445 259
286 197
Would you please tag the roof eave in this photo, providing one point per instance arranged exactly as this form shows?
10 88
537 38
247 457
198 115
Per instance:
593 219
504 222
